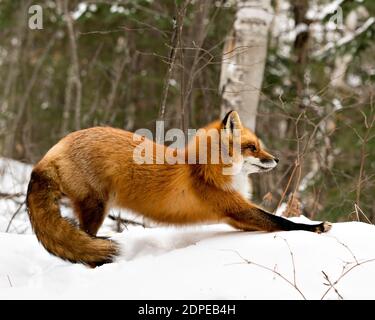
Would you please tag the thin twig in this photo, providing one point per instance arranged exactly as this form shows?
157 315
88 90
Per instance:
176 36
292 256
14 215
347 248
359 210
125 221
246 261
10 282
364 142
75 63
6 196
344 274
332 285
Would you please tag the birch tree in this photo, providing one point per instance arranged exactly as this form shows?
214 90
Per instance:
244 58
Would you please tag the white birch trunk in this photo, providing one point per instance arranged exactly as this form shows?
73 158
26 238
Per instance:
244 58
338 78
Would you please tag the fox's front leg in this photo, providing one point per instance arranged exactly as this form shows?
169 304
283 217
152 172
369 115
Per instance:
255 218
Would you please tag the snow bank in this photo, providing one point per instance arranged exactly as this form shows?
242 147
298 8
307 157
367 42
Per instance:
14 177
208 262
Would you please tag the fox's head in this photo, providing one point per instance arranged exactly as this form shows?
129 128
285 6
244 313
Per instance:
254 157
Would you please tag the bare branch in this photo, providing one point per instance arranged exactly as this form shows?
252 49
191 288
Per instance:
246 261
75 62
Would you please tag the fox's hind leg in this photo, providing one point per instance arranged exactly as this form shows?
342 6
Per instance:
258 219
91 213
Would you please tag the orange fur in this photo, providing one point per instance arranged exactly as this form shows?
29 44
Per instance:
94 168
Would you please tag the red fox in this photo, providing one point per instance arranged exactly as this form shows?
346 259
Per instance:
95 169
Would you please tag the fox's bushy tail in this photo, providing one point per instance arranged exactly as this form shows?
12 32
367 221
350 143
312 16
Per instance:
57 234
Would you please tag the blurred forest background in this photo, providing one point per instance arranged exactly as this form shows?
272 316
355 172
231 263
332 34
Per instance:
301 73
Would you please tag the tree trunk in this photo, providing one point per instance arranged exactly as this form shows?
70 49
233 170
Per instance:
244 58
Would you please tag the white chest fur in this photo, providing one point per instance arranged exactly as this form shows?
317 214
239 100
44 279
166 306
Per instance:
241 183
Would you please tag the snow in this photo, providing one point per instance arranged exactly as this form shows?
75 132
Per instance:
81 9
320 12
14 177
347 38
198 262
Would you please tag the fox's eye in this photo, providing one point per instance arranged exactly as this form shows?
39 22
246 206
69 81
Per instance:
252 148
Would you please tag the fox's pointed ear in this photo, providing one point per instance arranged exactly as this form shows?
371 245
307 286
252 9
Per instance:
232 121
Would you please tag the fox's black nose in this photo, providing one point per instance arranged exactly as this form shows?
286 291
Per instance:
269 160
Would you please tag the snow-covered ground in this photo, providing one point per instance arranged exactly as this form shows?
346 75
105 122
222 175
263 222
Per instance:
14 177
204 262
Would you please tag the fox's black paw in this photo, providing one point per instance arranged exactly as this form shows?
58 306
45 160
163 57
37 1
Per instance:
323 227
